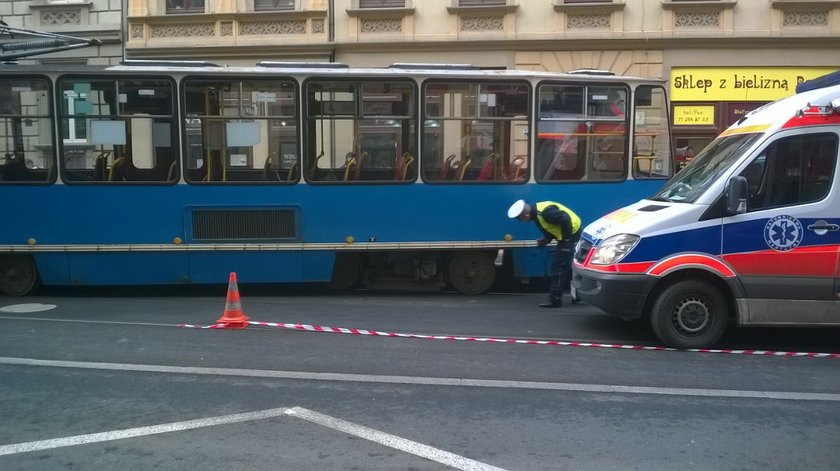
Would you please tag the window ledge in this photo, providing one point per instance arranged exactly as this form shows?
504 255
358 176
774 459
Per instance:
483 9
705 4
799 4
379 12
44 5
282 14
561 5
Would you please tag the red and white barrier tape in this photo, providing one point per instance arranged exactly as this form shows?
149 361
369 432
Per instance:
343 330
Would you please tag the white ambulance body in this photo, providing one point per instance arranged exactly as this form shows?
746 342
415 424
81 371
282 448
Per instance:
747 232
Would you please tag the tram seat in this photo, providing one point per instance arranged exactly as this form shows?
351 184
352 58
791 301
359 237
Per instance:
170 175
462 166
514 172
100 166
350 160
403 163
314 168
269 174
360 161
446 168
291 174
489 171
118 170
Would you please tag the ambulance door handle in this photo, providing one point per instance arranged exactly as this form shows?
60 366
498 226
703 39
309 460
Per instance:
821 227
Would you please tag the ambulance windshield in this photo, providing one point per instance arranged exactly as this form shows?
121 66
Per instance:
692 181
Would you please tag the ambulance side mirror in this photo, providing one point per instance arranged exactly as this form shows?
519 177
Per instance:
736 195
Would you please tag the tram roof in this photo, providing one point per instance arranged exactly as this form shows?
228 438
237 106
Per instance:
321 69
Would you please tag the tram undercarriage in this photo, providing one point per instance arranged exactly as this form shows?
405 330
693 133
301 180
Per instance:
468 272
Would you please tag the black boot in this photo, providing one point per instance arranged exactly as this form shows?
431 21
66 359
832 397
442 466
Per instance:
552 302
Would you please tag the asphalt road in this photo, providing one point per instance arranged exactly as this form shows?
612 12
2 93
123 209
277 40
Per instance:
108 380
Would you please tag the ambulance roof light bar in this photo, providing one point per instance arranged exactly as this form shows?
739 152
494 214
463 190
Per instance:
819 82
816 115
817 110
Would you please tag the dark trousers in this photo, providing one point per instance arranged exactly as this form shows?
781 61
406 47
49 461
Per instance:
560 269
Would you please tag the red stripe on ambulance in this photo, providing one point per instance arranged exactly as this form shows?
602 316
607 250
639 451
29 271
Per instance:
801 261
692 260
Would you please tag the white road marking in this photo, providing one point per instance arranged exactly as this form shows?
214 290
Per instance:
427 380
382 438
139 431
27 308
392 441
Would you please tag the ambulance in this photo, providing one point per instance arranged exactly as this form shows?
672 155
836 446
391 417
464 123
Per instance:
747 234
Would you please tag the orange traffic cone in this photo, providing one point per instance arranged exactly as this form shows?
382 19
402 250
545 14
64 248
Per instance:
233 317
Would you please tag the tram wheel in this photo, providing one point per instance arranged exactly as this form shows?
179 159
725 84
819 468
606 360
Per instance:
347 272
18 275
471 272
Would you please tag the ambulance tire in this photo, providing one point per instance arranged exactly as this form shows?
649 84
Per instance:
689 314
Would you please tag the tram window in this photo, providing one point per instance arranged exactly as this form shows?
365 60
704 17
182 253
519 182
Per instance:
27 153
118 130
360 131
581 133
240 131
651 135
475 132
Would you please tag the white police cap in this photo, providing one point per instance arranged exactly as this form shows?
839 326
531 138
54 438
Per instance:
516 209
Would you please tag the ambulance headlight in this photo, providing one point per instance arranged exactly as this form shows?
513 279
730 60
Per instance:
613 249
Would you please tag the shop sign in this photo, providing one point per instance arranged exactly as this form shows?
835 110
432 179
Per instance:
694 115
739 83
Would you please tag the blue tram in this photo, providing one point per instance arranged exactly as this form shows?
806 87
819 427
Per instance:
156 172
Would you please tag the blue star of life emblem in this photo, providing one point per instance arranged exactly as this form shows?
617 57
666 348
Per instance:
783 233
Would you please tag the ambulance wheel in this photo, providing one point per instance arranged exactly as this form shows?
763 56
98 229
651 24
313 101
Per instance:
18 275
471 273
689 314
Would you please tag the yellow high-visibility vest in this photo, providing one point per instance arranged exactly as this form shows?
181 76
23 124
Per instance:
555 229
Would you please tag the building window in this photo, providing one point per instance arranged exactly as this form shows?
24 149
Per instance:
381 4
184 6
481 3
588 6
273 5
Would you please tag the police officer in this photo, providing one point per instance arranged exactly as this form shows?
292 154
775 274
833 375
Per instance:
555 221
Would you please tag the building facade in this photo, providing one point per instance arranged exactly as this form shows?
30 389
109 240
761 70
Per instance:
722 57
